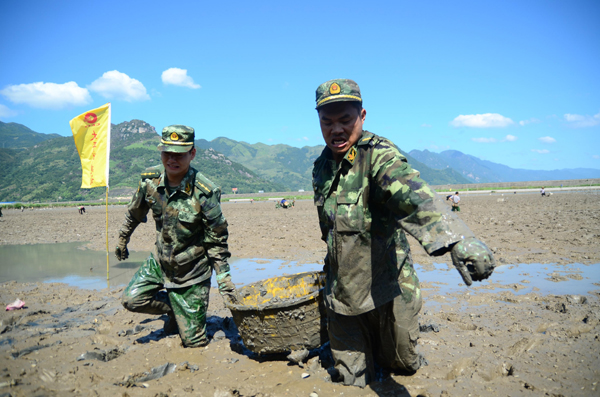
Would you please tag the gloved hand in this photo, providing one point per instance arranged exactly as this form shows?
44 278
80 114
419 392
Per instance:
121 252
473 260
228 291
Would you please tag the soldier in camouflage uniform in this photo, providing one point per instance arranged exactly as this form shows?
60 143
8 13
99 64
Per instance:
367 197
191 240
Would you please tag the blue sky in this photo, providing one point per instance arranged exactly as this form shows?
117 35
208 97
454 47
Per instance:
514 82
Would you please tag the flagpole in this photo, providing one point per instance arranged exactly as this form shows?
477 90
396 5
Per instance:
107 172
107 280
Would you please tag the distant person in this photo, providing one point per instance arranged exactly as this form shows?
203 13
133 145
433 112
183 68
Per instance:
22 208
81 210
367 196
285 204
455 200
191 240
543 192
1 212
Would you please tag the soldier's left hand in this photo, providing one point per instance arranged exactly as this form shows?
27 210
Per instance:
473 260
228 291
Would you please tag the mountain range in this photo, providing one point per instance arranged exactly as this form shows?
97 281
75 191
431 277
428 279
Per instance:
51 170
293 166
483 171
44 167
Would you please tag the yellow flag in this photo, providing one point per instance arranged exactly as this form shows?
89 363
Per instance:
91 132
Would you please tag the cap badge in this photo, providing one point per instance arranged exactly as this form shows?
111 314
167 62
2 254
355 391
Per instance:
174 136
334 89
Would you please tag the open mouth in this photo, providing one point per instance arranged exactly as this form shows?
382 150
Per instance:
338 142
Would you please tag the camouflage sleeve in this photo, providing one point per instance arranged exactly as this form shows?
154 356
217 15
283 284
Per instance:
137 209
215 234
423 215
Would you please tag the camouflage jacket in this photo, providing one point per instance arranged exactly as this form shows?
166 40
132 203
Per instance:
365 203
191 231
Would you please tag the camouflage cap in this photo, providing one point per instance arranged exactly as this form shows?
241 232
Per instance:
338 90
177 138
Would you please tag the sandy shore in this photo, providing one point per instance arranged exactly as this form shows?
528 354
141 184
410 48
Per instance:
477 342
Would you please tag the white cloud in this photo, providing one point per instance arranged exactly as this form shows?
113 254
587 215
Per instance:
547 139
510 138
5 112
541 151
530 121
117 85
426 125
596 156
176 76
579 121
47 95
484 140
486 120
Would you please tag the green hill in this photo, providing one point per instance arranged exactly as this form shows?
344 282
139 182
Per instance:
14 135
51 170
285 164
292 166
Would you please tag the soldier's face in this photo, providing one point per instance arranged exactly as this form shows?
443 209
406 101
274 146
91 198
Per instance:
177 164
341 125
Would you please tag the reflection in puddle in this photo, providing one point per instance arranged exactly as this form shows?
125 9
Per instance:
70 264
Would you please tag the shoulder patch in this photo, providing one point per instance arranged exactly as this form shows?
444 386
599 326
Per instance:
204 184
152 172
367 139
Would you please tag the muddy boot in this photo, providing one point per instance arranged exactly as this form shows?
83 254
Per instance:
170 327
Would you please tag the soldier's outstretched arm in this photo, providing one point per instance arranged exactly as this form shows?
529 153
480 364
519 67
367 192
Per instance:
425 217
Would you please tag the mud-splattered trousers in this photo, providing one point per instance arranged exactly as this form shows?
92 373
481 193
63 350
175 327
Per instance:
365 204
191 240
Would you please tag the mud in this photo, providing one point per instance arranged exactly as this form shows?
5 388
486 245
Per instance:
491 340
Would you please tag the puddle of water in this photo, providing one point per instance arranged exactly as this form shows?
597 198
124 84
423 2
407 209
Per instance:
70 264
534 277
66 263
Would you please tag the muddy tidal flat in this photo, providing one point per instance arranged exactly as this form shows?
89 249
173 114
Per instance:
497 338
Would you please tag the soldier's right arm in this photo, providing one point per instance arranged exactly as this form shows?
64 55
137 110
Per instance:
136 213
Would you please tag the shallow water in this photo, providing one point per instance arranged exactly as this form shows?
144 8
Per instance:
69 263
521 279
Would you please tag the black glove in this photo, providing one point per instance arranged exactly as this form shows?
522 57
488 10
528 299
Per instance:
473 260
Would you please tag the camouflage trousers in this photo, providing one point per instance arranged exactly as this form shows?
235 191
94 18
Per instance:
187 305
386 335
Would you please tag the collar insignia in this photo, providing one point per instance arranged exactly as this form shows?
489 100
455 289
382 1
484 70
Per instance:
351 155
188 188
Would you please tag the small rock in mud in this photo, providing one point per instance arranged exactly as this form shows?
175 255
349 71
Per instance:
101 355
298 356
314 364
557 308
138 328
576 299
219 335
429 327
